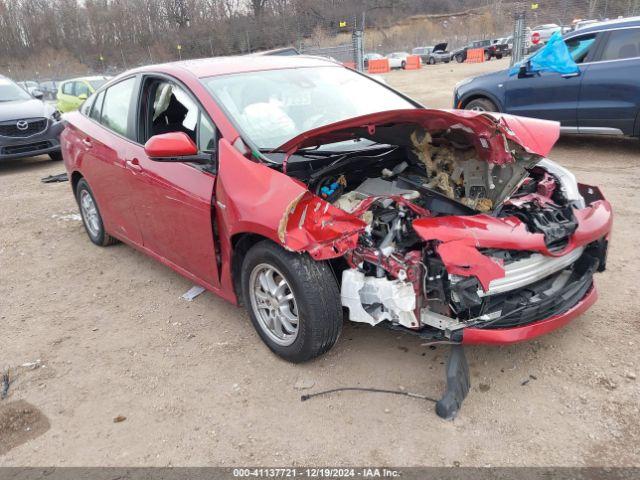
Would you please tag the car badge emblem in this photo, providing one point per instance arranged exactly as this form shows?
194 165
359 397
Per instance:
22 125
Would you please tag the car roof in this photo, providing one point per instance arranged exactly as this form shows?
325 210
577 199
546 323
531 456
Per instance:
609 25
209 67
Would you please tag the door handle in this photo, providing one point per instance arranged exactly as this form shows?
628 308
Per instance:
87 142
133 164
570 75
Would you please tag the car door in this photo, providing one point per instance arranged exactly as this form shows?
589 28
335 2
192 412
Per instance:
610 94
173 200
552 95
81 92
65 96
106 139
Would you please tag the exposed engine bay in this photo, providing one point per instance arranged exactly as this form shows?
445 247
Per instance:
452 240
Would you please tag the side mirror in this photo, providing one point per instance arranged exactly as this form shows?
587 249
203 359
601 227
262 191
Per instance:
174 147
82 96
35 93
524 71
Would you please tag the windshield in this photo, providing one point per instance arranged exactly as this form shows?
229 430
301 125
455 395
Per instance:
9 91
274 106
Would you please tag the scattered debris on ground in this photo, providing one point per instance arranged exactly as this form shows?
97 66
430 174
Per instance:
67 216
61 177
304 398
32 365
6 381
119 418
193 292
304 384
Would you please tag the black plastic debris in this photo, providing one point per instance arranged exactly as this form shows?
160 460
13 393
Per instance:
6 381
61 177
458 384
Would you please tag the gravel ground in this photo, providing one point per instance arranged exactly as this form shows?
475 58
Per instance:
127 373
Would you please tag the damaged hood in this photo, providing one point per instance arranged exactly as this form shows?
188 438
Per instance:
488 131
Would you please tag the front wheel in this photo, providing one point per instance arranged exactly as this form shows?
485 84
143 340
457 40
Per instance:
431 61
481 105
293 301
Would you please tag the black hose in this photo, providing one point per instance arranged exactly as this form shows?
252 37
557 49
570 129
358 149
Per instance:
365 389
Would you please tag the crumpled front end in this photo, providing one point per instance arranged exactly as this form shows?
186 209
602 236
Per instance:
453 226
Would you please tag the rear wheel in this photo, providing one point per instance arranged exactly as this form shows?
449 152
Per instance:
499 56
481 105
487 56
459 58
55 156
91 215
403 65
293 301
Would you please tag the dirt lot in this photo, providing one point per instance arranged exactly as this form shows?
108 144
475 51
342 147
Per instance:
197 387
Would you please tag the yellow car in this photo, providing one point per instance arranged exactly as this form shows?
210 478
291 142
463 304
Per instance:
71 93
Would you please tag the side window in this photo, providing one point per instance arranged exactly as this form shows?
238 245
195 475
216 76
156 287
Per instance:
207 137
96 110
170 109
579 47
115 107
622 44
67 88
81 88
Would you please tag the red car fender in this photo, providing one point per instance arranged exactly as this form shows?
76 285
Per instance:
252 198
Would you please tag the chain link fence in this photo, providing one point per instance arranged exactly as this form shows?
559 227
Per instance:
536 21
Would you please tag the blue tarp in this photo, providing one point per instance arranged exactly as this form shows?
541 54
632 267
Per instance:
553 57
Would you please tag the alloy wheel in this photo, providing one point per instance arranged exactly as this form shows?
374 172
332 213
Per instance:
274 304
89 213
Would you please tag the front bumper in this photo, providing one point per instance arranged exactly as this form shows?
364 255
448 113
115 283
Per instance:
506 336
540 294
43 143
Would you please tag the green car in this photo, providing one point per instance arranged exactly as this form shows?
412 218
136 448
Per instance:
71 93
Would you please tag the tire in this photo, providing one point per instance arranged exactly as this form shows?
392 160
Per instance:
481 105
315 301
91 218
487 56
403 65
459 58
499 56
431 61
56 156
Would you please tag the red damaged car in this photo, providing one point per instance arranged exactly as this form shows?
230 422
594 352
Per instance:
309 192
